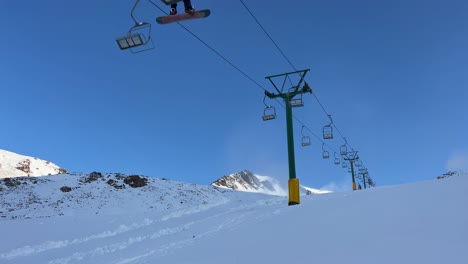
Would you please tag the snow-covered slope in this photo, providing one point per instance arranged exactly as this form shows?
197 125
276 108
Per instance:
423 222
16 165
96 193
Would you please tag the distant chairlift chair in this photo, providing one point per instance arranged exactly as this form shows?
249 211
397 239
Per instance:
343 164
305 139
325 153
328 130
269 113
295 102
337 160
344 149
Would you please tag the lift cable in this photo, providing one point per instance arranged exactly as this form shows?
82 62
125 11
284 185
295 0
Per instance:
266 33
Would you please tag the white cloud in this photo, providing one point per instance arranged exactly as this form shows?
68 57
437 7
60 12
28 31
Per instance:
457 162
344 185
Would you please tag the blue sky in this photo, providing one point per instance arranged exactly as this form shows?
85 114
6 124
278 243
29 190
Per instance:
393 74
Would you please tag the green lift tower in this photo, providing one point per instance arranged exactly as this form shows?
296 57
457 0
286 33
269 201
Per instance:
291 101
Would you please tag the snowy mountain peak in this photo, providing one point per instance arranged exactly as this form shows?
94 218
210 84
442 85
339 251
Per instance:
16 165
246 181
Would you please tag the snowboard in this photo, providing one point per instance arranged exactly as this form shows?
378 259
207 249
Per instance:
183 16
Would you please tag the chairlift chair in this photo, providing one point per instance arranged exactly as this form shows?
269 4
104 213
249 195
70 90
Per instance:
337 160
295 102
328 130
343 164
269 113
344 149
325 153
305 138
137 37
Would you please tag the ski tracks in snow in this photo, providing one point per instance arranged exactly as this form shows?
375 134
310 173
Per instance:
49 245
111 248
120 230
224 221
146 235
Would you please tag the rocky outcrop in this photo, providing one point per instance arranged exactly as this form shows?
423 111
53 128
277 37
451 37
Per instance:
115 184
24 166
135 181
93 176
65 189
446 175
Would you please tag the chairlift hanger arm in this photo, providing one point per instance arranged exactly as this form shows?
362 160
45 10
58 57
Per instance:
331 120
133 10
266 94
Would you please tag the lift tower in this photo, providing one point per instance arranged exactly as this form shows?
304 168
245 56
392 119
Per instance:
290 102
352 157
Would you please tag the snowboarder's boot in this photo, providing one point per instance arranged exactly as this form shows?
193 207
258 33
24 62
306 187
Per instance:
190 10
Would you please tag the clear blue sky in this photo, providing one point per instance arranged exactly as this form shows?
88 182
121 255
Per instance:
393 74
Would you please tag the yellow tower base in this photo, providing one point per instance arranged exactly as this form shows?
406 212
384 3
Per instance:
354 186
294 194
